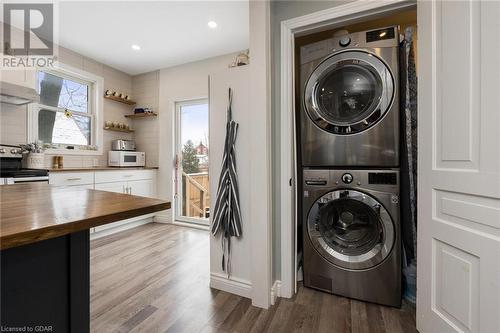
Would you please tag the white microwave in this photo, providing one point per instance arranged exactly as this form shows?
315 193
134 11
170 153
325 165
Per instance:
126 158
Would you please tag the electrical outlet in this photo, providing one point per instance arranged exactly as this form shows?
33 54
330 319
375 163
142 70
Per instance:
95 162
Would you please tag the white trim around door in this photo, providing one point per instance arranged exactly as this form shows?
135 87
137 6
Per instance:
325 19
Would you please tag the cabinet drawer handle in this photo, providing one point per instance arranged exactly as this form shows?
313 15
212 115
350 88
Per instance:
76 178
128 176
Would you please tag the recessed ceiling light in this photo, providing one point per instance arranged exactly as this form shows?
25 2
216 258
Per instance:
212 24
135 47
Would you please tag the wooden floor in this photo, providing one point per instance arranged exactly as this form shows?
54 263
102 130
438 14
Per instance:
155 278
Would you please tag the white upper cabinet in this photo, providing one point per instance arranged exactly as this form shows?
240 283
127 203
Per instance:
20 77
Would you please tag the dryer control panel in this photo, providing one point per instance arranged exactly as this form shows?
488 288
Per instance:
380 180
383 178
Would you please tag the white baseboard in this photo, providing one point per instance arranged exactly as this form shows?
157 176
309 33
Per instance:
163 218
275 291
235 286
122 227
167 220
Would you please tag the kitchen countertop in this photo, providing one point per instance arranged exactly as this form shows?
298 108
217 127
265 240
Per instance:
35 211
103 168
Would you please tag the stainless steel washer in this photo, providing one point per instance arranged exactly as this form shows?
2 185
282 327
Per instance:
349 112
352 233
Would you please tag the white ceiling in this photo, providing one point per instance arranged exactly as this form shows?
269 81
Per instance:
169 33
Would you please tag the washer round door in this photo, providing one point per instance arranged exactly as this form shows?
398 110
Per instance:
350 229
349 92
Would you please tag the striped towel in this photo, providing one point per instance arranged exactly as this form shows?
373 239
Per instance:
227 214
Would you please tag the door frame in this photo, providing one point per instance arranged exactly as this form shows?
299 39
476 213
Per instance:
177 151
318 21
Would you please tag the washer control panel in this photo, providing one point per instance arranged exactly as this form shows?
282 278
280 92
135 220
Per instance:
344 41
383 178
347 178
316 178
380 180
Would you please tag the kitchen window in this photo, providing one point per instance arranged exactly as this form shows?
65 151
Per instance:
67 117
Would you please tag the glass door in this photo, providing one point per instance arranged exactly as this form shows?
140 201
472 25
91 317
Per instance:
192 195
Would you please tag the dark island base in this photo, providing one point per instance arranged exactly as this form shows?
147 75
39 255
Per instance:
46 285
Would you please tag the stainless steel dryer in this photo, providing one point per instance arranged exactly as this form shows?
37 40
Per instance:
352 243
349 112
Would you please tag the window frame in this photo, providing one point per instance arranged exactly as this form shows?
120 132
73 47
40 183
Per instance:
95 106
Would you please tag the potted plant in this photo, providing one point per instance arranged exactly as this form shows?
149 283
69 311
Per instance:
35 158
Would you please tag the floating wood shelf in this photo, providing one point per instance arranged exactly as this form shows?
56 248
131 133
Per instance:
141 115
119 99
123 130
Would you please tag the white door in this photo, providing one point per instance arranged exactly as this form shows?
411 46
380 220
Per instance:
458 286
141 188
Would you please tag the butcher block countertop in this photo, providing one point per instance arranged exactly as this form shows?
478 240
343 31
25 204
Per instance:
36 211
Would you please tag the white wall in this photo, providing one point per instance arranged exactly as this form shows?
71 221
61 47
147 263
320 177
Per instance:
251 254
238 80
184 82
260 150
145 90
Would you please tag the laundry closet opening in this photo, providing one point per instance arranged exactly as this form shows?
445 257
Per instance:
356 159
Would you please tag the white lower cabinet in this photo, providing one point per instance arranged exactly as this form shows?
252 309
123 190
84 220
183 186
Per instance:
143 188
134 182
71 178
83 187
117 187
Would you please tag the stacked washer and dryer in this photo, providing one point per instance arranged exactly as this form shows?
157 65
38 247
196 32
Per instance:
349 159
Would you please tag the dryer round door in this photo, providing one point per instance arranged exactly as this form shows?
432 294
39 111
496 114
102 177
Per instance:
349 92
350 229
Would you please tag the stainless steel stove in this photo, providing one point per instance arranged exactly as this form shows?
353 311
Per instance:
11 170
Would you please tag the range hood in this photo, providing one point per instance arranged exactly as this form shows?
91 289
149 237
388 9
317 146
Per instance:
16 94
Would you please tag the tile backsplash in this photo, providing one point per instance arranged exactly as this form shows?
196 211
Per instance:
77 161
